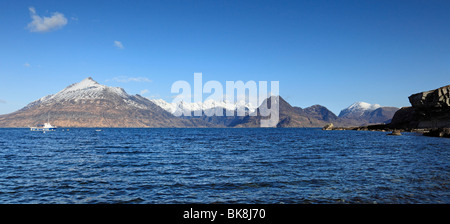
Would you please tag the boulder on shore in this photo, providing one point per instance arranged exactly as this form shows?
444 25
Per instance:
438 132
328 127
395 132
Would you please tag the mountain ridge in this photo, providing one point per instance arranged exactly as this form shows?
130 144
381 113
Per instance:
90 104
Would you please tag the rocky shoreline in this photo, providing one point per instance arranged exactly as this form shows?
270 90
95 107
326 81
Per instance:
432 132
429 114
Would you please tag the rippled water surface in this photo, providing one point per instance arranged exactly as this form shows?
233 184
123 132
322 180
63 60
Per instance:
222 166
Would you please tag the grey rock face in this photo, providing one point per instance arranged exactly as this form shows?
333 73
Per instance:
430 109
438 98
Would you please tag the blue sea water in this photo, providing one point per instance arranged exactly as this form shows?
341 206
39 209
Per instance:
298 165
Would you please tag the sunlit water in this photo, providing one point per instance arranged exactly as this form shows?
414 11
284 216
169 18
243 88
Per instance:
222 166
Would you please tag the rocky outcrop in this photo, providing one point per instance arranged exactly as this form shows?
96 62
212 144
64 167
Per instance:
438 132
438 98
430 109
395 132
328 127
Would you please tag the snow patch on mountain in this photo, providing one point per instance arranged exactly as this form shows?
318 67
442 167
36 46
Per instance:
206 105
88 89
164 105
358 109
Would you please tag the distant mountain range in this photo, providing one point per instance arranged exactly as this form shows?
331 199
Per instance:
206 105
357 114
90 104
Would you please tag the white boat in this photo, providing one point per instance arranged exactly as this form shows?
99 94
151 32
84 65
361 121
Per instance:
47 127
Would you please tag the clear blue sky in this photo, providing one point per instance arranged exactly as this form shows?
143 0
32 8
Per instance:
331 53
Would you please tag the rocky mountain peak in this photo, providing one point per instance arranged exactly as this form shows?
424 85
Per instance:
84 84
87 89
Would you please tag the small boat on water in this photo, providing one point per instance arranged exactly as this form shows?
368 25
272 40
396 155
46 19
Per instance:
46 127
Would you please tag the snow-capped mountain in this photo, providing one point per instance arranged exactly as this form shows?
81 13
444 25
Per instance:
88 89
368 113
206 105
90 104
358 109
